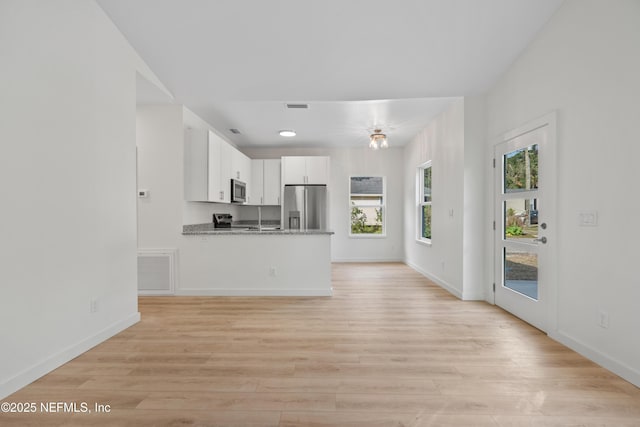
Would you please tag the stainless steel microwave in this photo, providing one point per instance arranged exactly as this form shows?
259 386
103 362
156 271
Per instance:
238 191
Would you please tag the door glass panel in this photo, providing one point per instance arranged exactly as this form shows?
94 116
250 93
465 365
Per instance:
521 272
521 220
521 169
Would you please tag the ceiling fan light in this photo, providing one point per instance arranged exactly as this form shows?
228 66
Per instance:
378 140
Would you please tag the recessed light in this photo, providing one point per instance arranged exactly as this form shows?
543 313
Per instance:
288 133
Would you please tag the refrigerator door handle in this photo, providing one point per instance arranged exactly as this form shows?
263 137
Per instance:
306 209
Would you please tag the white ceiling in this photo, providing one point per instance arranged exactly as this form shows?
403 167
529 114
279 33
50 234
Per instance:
358 63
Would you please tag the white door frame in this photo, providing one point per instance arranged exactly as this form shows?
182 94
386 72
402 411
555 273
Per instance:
548 194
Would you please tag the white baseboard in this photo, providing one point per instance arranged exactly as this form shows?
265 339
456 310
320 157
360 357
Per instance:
347 260
323 292
615 366
474 296
438 281
40 369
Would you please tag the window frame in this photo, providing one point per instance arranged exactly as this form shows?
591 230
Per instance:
420 203
382 206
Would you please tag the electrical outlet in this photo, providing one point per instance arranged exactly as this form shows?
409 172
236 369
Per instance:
603 319
273 272
93 307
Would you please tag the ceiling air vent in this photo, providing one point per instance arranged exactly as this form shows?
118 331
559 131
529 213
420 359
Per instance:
234 130
297 106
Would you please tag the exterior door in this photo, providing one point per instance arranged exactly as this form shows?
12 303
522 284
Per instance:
525 222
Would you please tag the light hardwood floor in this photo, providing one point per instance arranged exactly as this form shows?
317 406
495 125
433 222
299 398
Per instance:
389 348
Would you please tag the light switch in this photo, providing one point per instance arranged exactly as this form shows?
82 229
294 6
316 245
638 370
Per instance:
588 218
143 194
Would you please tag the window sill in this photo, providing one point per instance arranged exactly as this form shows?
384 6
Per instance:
424 242
367 236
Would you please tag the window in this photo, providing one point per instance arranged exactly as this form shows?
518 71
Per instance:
424 202
367 205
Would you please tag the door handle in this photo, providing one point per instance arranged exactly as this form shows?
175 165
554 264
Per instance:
542 240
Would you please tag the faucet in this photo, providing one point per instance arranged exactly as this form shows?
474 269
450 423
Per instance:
259 218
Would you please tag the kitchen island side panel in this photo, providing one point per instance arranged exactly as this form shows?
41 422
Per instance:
255 265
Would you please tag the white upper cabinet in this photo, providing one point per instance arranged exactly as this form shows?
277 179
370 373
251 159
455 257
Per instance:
272 182
298 170
294 170
265 182
317 170
224 170
240 167
256 192
196 165
207 167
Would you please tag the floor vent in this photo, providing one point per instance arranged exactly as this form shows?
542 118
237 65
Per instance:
156 271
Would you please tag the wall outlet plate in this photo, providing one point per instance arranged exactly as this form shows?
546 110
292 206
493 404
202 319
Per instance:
588 218
603 319
93 306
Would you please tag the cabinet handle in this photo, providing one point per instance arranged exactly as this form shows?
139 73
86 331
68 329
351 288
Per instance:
278 199
261 202
222 195
238 175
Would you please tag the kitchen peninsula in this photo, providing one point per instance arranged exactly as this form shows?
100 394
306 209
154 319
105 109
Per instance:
221 260
241 262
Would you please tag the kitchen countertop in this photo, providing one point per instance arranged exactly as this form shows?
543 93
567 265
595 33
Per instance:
209 229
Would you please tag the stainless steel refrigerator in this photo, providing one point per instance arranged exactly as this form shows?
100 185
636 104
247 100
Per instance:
304 207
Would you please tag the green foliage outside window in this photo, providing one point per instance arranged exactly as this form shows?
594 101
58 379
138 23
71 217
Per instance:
425 200
521 169
359 223
426 221
367 204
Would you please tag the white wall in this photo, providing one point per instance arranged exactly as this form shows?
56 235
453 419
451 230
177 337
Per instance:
585 64
442 142
346 162
454 142
67 179
475 223
159 136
